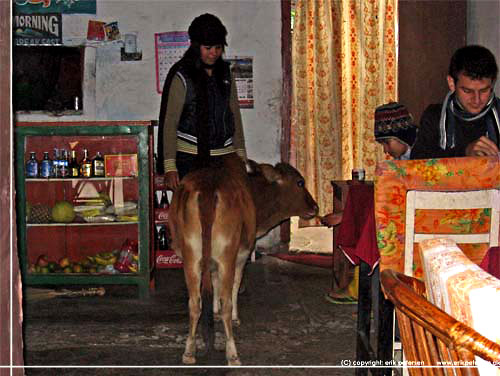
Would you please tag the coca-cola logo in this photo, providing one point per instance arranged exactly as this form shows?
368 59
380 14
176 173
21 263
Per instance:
173 259
163 215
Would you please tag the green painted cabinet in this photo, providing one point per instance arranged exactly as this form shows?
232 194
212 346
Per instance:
108 217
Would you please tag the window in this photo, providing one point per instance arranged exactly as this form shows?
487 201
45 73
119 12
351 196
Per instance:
48 78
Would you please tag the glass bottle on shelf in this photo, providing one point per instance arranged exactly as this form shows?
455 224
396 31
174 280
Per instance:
156 202
162 238
46 166
64 164
86 165
56 172
74 167
32 166
98 165
164 200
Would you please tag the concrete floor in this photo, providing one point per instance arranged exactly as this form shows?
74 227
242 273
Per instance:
286 322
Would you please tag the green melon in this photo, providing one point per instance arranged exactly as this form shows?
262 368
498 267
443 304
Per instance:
63 212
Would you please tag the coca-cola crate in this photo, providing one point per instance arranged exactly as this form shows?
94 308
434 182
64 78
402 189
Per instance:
168 260
161 216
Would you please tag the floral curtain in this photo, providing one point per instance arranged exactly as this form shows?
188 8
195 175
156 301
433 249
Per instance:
344 64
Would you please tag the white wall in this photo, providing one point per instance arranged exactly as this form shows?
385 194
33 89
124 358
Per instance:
483 27
116 90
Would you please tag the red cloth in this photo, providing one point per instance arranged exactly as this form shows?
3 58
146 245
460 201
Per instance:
491 262
356 234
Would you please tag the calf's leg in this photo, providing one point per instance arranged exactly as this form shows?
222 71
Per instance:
226 275
192 273
241 260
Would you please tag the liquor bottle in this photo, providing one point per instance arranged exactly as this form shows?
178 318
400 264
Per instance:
46 166
32 166
86 165
56 171
98 165
64 164
74 167
164 200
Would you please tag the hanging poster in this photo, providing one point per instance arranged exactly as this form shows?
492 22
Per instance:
37 29
242 70
169 48
55 6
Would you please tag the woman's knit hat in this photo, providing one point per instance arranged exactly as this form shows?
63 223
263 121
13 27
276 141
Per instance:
392 120
207 30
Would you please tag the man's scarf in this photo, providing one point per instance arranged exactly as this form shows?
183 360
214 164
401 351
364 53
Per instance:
452 107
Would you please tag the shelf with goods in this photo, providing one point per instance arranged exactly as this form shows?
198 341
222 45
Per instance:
86 230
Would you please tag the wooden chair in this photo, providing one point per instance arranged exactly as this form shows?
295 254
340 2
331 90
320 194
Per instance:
431 336
465 199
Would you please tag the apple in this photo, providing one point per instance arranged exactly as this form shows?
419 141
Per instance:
42 260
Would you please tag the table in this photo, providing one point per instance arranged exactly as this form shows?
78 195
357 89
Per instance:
356 237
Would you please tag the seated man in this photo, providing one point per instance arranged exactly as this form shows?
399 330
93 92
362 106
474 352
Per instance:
467 123
396 132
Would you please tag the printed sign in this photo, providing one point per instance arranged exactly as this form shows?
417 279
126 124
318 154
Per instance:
37 29
242 70
55 6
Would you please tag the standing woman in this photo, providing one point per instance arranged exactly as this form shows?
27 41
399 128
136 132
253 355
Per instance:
200 119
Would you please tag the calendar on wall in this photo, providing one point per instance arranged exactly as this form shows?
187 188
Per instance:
169 48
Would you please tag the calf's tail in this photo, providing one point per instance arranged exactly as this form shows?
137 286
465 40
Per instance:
207 201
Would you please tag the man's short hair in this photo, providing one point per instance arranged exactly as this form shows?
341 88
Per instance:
473 61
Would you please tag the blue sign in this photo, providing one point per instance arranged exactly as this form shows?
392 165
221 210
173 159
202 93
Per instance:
55 6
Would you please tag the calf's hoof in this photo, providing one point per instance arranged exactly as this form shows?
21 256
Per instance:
188 359
236 322
234 361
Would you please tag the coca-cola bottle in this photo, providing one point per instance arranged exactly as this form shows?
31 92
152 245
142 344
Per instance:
156 202
162 238
164 200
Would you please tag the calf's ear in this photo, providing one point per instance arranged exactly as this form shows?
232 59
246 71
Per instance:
270 173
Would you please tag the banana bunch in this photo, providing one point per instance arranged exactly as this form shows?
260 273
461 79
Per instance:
103 258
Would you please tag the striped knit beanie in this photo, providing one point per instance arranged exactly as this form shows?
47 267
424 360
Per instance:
392 120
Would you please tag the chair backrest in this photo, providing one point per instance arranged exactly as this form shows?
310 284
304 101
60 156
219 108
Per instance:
429 335
460 200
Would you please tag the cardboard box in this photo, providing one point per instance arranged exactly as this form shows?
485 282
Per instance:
168 260
121 165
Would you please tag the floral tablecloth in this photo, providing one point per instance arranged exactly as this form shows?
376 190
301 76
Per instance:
394 178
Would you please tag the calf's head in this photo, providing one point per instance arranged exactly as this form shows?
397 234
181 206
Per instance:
282 190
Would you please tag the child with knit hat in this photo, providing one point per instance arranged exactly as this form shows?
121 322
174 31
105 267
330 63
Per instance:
396 132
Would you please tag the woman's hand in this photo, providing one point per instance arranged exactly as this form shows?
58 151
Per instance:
172 180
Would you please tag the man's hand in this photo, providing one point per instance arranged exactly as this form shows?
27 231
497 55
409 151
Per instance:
481 147
172 180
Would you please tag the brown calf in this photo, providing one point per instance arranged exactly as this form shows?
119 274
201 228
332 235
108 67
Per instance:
215 216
